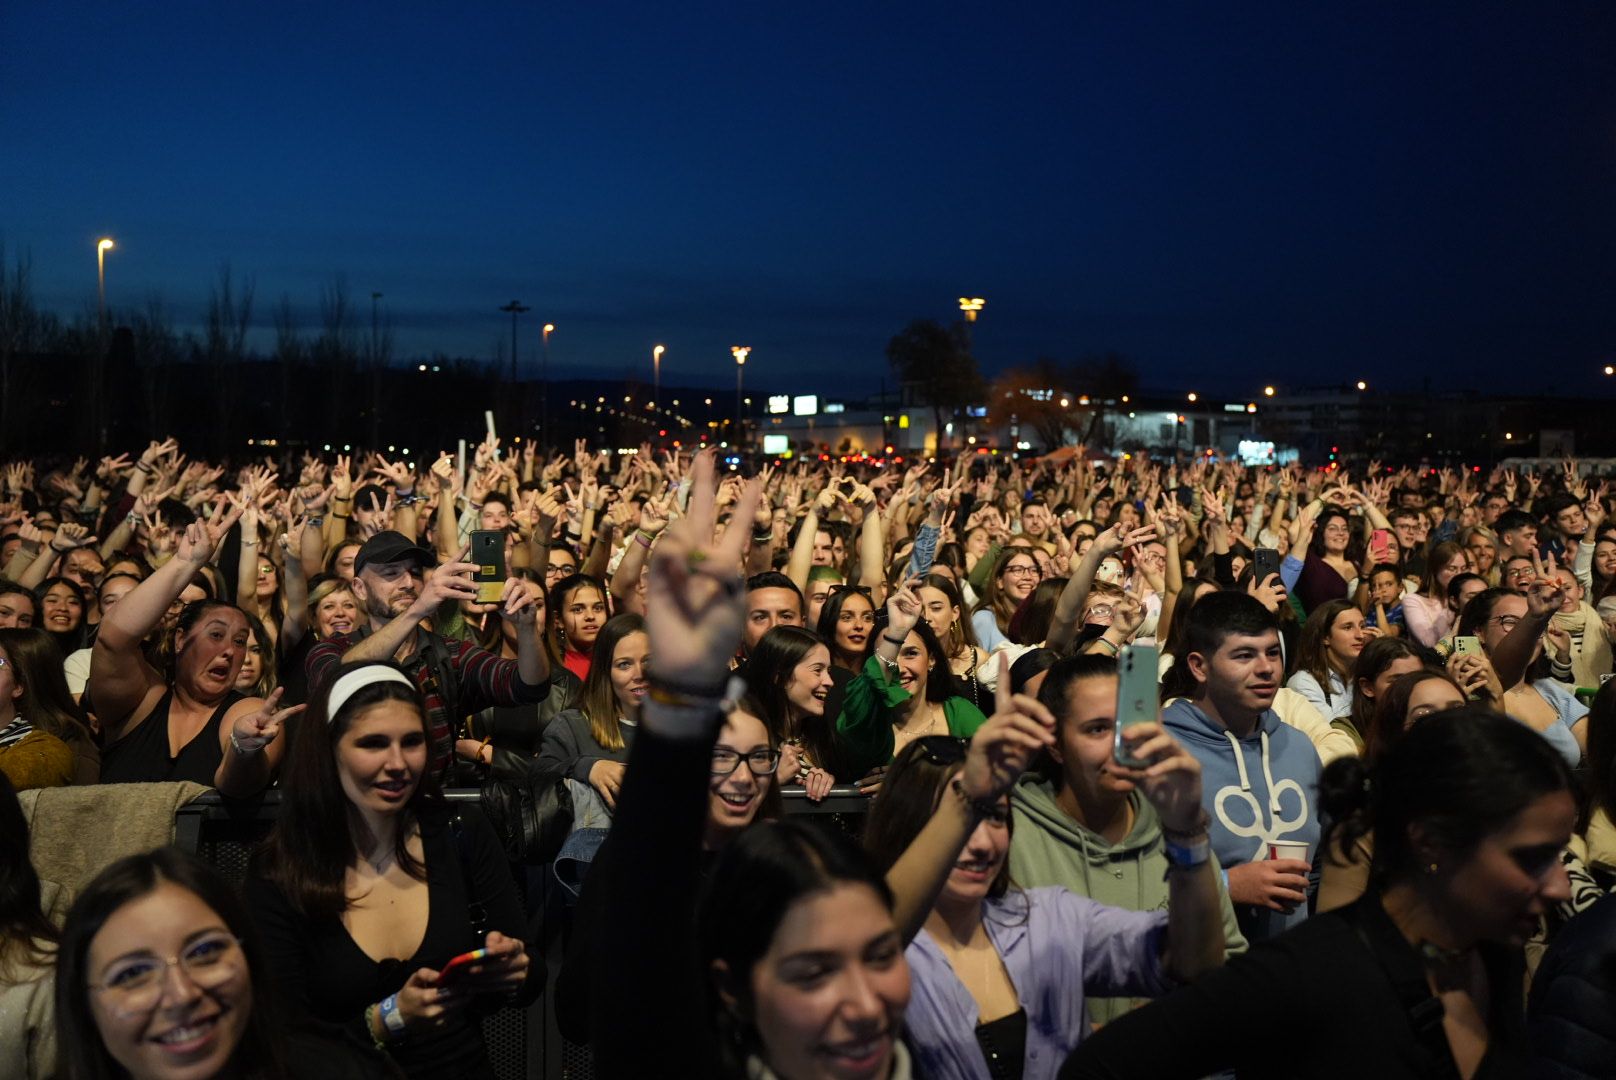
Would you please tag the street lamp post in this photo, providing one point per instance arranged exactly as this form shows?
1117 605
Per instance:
375 370
740 352
102 246
516 309
656 377
544 386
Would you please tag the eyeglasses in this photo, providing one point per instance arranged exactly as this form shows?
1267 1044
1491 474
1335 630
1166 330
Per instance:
943 749
135 985
1506 621
557 570
1021 570
761 762
862 590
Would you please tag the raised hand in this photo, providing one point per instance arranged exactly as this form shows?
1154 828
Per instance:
256 730
1003 747
69 536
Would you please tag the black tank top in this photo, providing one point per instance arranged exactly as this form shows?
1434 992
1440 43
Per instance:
141 756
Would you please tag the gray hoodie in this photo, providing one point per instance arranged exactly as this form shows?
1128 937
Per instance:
1049 847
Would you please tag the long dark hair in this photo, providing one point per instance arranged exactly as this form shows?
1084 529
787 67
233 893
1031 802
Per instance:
23 923
190 615
830 613
78 1037
1313 653
1030 624
319 833
556 603
1373 660
1599 762
67 640
1475 616
914 784
46 702
1460 775
961 635
769 668
941 682
758 877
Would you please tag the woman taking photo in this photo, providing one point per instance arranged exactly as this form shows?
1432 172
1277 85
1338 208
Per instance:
590 742
1000 976
1534 699
44 740
188 724
1469 813
365 888
1331 639
160 976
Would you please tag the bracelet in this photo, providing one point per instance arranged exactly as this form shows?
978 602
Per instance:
316 520
1186 856
242 751
978 808
249 543
1194 834
143 467
1102 641
643 538
392 1019
890 640
690 695
340 517
370 1027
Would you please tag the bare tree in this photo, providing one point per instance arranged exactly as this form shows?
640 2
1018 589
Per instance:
156 350
334 352
23 330
289 353
224 345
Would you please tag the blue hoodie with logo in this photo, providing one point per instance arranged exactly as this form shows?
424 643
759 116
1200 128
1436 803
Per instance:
1256 789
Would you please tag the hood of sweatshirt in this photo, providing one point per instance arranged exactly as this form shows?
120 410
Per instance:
1256 790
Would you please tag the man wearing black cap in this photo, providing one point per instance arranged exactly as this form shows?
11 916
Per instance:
395 582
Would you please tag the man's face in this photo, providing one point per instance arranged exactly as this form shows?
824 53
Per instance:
1495 505
388 589
1521 540
495 516
1407 528
1034 521
1242 677
824 549
1572 521
768 608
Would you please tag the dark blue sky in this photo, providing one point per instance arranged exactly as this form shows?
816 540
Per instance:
1230 193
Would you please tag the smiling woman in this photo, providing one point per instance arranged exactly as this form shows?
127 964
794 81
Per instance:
160 977
365 887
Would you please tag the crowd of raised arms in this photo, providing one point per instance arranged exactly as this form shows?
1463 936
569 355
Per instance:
827 764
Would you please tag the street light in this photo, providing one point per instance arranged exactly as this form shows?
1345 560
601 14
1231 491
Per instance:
740 352
971 305
102 246
1193 395
1362 385
656 375
1268 391
1610 369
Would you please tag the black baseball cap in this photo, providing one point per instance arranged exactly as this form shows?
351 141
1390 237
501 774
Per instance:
392 546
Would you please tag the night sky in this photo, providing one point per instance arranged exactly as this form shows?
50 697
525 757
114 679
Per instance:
1231 194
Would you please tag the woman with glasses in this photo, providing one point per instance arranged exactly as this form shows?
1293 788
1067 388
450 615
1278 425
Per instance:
1330 565
1001 975
1534 699
160 977
366 887
847 625
1012 581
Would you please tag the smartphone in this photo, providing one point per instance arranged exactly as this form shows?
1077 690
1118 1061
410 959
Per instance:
1380 545
459 966
488 552
1466 646
1264 562
1138 696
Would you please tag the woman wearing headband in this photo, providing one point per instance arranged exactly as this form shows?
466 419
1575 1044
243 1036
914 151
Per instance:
366 889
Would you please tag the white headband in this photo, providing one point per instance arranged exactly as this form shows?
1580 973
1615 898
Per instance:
347 685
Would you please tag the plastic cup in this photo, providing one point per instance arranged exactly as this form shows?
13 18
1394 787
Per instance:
1290 849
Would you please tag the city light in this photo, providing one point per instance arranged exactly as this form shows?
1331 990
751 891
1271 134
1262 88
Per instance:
1610 369
1268 391
1362 385
1193 396
971 305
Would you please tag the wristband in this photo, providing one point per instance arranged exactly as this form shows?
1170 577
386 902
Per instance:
643 538
318 519
890 640
242 751
340 517
1187 856
978 808
392 1019
1103 641
370 1028
143 467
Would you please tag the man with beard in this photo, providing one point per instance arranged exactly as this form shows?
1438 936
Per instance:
393 585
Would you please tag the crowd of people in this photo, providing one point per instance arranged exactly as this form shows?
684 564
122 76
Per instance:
1367 831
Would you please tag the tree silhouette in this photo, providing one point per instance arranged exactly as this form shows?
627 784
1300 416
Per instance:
934 364
224 346
1106 378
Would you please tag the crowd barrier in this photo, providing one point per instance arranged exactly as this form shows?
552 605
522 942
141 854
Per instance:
523 1044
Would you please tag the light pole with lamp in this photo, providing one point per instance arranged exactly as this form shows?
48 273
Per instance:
102 246
516 309
656 376
544 386
740 352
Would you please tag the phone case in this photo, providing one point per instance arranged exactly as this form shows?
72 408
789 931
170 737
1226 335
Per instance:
488 552
1138 695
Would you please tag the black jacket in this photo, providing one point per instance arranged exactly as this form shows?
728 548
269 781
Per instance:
1572 1017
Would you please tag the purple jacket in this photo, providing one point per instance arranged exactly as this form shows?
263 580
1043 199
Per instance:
1058 947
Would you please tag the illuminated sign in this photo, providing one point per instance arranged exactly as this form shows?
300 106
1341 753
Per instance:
805 405
776 444
779 403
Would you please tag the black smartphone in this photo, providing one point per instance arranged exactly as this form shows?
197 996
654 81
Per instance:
1264 561
488 552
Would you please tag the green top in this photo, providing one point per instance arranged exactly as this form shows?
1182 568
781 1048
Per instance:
864 727
1343 724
